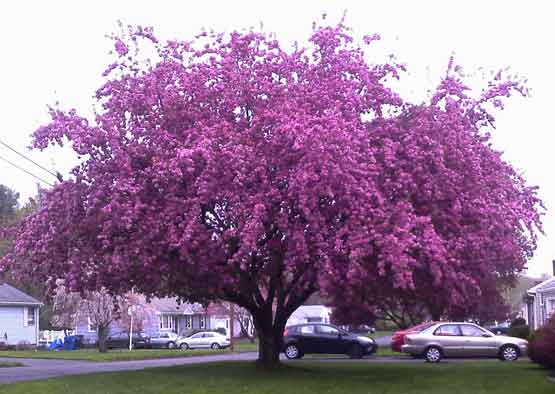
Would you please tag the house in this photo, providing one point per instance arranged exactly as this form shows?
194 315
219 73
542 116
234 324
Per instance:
165 315
539 302
19 316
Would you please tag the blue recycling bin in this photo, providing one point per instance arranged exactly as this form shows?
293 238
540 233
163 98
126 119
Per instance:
70 343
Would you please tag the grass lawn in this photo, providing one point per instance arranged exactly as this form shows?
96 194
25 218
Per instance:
112 355
10 364
486 377
380 334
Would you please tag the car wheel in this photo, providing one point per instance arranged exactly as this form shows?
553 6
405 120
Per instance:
355 351
215 346
509 353
433 354
184 346
292 352
171 345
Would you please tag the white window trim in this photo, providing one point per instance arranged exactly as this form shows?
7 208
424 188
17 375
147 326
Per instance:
25 317
166 322
202 322
90 325
188 322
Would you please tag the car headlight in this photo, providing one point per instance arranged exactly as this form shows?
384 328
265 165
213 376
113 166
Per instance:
366 339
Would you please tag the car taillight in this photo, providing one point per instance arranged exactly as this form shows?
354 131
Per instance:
286 332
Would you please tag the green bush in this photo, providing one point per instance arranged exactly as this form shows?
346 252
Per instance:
519 321
522 331
542 345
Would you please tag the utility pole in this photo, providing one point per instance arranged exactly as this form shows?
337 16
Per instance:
130 313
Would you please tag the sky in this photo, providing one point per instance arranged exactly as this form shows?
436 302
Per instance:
56 51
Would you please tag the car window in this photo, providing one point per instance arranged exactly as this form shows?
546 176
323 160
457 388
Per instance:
199 335
208 335
164 336
448 330
471 331
307 330
328 330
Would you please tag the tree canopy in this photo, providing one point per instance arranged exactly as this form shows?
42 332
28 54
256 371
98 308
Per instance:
228 167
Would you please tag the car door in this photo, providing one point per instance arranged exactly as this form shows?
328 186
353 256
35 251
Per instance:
329 341
195 341
160 341
478 342
308 339
449 337
208 339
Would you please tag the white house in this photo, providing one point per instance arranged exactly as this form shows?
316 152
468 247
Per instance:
310 314
19 316
540 302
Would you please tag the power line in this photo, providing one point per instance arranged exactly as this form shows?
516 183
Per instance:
26 158
24 170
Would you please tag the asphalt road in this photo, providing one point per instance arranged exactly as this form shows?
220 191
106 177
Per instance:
49 368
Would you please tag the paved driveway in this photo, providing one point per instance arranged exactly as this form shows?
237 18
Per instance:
384 341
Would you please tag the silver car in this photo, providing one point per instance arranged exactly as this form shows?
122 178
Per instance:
462 340
204 340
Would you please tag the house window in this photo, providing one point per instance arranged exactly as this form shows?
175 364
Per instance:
28 316
91 327
552 307
167 322
202 321
314 320
188 322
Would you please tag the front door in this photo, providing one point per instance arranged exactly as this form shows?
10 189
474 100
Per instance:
477 342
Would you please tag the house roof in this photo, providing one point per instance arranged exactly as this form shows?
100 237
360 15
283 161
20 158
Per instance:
171 305
9 295
545 285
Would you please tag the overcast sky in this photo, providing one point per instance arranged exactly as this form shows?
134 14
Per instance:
56 50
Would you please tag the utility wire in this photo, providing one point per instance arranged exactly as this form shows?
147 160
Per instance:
24 170
26 158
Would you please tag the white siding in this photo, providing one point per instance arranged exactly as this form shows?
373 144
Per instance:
13 326
310 314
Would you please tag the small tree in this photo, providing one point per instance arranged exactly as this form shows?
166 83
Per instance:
101 310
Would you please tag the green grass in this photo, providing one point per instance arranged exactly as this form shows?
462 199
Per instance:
112 355
9 364
487 377
380 334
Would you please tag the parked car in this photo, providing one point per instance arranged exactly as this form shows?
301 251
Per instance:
121 341
204 340
166 340
302 339
462 340
398 337
500 329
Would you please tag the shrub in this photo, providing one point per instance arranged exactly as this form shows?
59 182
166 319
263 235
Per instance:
522 331
542 345
24 345
221 330
519 321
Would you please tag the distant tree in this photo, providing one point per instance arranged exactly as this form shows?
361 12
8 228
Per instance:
230 168
134 307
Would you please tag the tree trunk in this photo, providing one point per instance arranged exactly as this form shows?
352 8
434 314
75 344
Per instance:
269 347
102 334
270 341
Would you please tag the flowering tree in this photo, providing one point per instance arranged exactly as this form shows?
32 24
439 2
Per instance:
230 168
